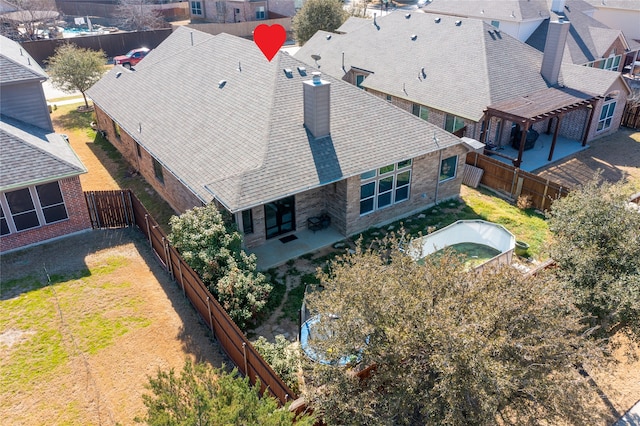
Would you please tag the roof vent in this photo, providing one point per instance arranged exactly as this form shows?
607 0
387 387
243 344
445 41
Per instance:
482 11
328 36
288 72
118 74
221 84
239 66
458 23
414 37
513 14
423 72
437 20
316 77
407 16
302 71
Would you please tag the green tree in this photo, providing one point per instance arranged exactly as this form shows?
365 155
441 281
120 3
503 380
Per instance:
74 68
202 396
213 248
597 248
447 346
317 15
284 357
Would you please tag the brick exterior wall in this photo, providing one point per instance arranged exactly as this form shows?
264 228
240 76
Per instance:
340 200
77 221
172 190
436 117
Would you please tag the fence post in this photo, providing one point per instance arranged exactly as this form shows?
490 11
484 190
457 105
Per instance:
513 181
475 160
544 195
244 353
518 187
213 331
133 214
146 219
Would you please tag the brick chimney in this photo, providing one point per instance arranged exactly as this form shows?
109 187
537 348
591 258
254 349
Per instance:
557 6
553 50
317 96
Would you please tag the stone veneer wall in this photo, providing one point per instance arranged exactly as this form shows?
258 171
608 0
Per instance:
78 219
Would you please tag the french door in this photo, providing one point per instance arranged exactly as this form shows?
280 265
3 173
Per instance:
280 217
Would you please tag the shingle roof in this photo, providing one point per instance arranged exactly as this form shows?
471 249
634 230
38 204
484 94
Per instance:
16 65
353 23
31 155
615 4
588 39
489 67
502 10
245 143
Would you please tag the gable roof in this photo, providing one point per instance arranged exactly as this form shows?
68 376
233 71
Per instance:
588 39
243 142
615 4
502 10
16 65
467 66
31 155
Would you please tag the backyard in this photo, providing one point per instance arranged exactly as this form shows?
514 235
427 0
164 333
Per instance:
99 396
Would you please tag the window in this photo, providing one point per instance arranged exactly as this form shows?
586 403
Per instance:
388 98
448 168
116 128
157 169
247 222
4 226
52 203
359 80
606 113
22 208
196 8
612 63
260 13
386 186
453 123
495 24
421 111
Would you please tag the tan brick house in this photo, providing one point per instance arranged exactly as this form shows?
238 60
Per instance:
272 144
40 193
453 71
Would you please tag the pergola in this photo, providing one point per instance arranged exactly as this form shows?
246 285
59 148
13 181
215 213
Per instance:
538 106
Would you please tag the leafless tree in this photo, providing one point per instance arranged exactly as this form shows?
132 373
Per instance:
137 15
29 17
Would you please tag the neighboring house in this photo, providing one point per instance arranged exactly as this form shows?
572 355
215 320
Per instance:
40 193
227 11
450 71
589 42
621 14
267 143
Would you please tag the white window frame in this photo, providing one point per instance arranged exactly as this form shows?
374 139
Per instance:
611 63
376 177
196 7
608 110
37 208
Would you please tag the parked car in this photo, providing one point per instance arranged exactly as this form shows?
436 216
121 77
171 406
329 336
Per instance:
132 58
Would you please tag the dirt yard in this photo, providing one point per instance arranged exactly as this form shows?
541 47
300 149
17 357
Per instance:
121 321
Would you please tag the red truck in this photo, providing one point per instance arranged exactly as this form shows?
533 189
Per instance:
132 58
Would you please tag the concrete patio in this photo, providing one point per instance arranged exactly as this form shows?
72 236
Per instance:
537 157
275 252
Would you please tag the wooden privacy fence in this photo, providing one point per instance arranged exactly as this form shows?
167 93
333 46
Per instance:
241 352
110 209
631 116
514 182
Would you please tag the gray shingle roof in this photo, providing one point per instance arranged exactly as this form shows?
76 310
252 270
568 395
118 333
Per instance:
245 143
16 65
615 4
31 155
502 10
488 67
588 39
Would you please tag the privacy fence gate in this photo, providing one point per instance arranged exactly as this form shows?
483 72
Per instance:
117 209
